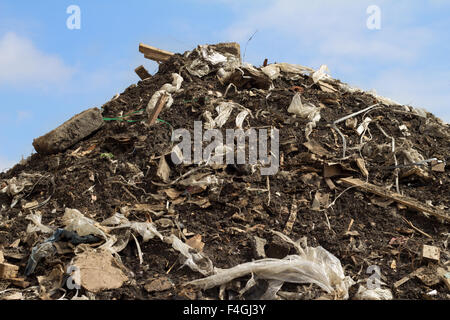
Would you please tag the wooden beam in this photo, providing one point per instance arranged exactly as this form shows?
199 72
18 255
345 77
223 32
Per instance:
153 53
407 201
142 73
158 108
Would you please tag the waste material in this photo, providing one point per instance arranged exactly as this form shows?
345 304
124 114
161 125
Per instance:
99 270
70 132
142 73
361 182
373 294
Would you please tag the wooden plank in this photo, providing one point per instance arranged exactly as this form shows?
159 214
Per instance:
407 201
292 217
142 73
408 277
8 271
157 110
20 282
153 53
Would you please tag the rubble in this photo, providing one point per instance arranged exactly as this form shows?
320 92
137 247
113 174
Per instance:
69 133
104 209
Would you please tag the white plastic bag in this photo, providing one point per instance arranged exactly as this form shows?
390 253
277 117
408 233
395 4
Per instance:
74 220
197 261
272 71
36 225
373 294
311 265
305 111
320 74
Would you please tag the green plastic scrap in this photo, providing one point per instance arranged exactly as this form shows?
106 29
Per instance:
107 155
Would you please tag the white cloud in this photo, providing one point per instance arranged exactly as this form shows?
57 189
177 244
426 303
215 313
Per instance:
21 63
391 60
334 28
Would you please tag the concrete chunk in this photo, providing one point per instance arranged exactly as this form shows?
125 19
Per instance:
70 132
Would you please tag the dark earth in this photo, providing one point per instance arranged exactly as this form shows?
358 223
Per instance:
381 231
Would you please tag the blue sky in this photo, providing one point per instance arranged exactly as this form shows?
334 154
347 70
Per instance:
48 73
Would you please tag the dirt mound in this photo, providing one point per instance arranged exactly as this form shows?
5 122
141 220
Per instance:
355 174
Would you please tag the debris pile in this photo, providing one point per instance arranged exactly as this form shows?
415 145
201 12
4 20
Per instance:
149 197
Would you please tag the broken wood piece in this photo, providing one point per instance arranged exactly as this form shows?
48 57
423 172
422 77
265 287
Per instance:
8 271
20 282
431 253
407 201
157 110
142 73
2 258
429 276
316 148
70 132
153 53
408 277
330 184
362 166
292 217
326 87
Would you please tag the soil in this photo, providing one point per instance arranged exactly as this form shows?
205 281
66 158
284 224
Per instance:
116 154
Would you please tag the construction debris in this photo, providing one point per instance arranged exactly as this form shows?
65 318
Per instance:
70 133
141 198
142 73
8 271
99 270
407 201
431 253
153 53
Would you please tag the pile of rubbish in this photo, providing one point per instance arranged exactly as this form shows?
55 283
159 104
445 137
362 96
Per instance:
216 179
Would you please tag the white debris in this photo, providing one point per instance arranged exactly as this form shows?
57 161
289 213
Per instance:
305 111
373 294
320 74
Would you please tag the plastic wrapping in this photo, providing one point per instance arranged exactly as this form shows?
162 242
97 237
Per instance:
208 60
311 265
224 110
305 111
200 180
373 294
36 225
240 118
176 84
272 71
38 253
293 68
74 220
320 74
197 261
167 89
